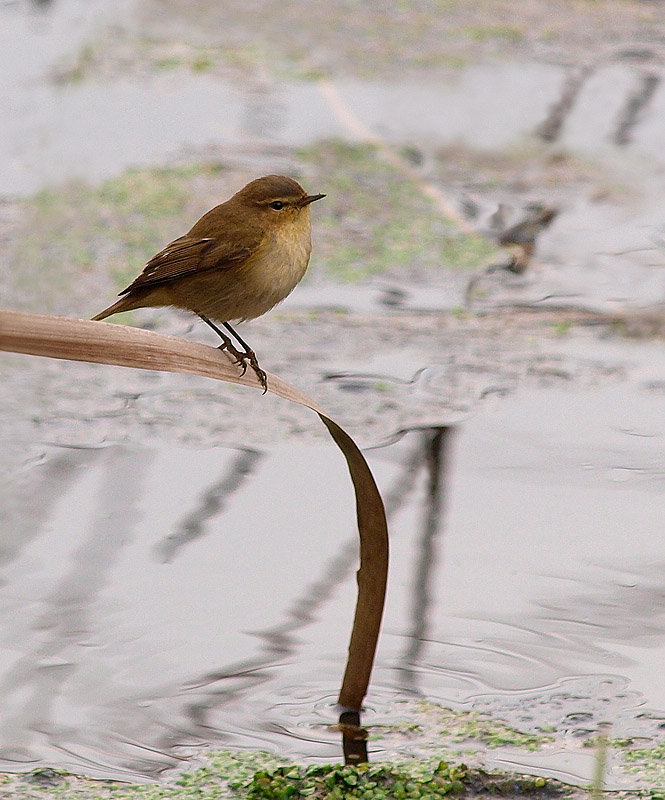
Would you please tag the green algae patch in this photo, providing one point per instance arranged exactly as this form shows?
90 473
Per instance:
262 776
70 237
485 33
68 232
471 726
404 727
383 781
646 763
105 56
221 776
376 221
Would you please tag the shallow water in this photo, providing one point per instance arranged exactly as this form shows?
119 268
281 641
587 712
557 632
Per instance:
604 255
157 599
94 129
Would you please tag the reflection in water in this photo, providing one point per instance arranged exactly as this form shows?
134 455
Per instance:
635 105
277 643
38 146
32 686
550 128
546 611
436 446
211 504
280 642
21 518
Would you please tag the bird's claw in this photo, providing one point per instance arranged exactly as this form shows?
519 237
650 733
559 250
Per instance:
260 374
243 359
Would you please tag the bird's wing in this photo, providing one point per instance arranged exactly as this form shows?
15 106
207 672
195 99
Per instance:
186 255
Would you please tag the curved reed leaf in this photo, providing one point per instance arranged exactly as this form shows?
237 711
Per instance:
108 343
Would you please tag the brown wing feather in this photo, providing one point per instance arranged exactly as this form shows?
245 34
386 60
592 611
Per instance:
186 255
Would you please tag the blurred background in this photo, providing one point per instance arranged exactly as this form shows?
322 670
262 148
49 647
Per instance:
483 312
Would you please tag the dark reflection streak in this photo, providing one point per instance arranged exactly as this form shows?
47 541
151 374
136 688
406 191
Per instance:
399 434
151 767
142 747
636 102
373 376
550 129
437 450
33 684
279 642
212 503
25 509
397 496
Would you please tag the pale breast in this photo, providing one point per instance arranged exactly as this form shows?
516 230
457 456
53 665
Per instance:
280 264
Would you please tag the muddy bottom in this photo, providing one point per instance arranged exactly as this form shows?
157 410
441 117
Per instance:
158 599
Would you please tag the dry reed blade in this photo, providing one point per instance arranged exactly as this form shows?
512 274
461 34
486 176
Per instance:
120 345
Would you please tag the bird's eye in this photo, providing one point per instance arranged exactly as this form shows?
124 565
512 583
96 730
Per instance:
277 205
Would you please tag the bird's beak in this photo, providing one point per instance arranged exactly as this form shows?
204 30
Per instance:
310 198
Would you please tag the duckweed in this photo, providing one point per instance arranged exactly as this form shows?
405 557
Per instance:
383 781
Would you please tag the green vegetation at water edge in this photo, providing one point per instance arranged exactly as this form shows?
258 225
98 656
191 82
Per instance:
375 220
261 776
70 232
384 782
462 726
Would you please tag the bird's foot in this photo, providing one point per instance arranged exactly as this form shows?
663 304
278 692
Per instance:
254 364
238 355
244 359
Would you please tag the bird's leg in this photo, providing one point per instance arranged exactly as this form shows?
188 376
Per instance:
227 344
241 358
249 356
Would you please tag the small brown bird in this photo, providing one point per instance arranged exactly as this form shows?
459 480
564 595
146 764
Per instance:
237 262
521 238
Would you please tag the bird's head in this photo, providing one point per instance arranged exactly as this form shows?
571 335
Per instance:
278 199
